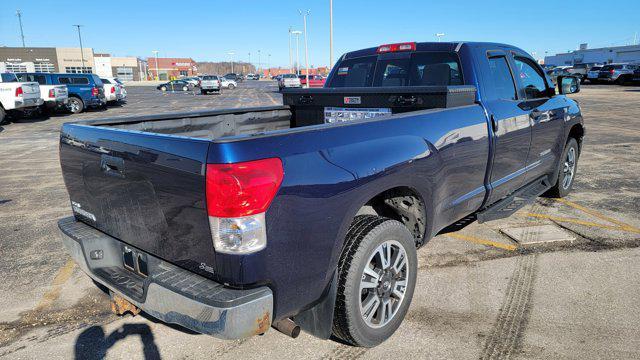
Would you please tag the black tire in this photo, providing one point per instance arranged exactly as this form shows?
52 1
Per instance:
163 88
185 88
561 189
3 116
231 86
76 105
366 234
203 92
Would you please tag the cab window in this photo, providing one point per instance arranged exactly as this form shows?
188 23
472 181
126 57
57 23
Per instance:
500 79
531 79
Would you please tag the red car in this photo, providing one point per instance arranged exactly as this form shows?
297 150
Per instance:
315 81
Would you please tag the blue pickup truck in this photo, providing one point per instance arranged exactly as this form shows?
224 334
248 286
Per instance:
307 216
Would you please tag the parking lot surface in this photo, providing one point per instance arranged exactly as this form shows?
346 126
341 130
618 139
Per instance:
559 279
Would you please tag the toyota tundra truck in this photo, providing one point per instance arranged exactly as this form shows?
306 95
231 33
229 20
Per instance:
307 216
17 96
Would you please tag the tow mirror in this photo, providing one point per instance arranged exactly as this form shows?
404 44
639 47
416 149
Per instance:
568 84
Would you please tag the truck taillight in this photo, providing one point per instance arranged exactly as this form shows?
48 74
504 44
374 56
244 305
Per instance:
238 196
409 46
113 89
612 71
94 91
52 93
19 91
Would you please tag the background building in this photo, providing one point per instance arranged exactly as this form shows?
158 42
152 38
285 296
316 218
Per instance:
18 59
171 68
71 60
607 55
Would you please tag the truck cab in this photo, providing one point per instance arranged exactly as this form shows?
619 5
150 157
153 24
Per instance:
54 96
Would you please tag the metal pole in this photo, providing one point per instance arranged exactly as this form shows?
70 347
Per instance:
157 72
250 62
269 65
330 33
81 52
19 14
306 48
297 34
290 58
259 59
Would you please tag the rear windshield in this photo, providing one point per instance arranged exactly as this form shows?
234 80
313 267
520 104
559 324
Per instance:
418 69
289 76
105 81
209 78
596 68
611 67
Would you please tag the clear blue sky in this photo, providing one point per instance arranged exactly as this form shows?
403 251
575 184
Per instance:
208 30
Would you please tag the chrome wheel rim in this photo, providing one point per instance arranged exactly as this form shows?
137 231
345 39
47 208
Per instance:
383 284
569 168
74 106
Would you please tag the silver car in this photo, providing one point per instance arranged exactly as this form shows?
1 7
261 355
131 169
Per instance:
611 73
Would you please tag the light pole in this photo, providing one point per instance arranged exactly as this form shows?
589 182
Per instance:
81 52
269 65
250 62
290 58
306 48
19 15
439 35
330 33
259 58
155 52
231 53
297 34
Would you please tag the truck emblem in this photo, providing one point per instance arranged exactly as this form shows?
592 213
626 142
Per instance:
352 100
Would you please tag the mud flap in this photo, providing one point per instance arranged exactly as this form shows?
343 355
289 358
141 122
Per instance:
318 320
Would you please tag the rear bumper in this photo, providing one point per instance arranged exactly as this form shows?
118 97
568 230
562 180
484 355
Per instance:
169 293
29 102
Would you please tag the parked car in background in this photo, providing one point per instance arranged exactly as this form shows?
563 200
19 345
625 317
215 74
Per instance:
592 74
581 70
85 90
233 76
289 81
630 78
122 86
315 81
615 73
193 80
113 91
176 85
253 77
228 83
558 71
210 83
54 96
276 77
16 96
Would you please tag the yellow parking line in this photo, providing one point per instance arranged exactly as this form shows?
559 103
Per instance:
623 226
572 220
481 241
56 286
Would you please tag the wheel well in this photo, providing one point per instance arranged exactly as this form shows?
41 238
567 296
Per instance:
577 132
403 204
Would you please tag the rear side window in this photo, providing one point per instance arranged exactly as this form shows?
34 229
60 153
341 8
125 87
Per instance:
105 81
6 77
80 80
501 80
356 72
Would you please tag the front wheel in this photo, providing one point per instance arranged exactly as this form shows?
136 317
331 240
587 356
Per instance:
568 166
185 88
376 280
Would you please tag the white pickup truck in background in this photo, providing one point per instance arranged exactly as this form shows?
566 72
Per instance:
113 91
17 96
54 96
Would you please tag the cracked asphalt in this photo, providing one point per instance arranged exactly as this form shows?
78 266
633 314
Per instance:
479 294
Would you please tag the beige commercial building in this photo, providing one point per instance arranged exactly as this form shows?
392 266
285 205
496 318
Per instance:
71 60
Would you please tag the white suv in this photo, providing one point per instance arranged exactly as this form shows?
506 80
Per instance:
289 81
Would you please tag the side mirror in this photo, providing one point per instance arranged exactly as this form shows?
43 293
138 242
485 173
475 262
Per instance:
568 84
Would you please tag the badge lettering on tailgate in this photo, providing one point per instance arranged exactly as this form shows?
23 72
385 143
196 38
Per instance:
352 100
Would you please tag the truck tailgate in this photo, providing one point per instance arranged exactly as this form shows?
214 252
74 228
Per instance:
147 190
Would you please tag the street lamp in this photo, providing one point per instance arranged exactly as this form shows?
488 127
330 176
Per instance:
269 64
297 34
330 33
439 35
232 52
81 52
259 59
250 62
155 52
290 59
306 48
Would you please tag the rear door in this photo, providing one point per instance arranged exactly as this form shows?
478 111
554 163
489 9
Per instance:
510 124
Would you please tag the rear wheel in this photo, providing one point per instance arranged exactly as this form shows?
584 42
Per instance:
185 88
204 92
163 88
568 167
76 105
231 86
3 115
377 275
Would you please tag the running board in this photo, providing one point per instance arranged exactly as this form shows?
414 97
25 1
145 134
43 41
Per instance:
514 202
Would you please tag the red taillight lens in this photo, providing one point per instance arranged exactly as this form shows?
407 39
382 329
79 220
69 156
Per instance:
410 46
19 91
242 189
113 89
612 71
52 93
94 91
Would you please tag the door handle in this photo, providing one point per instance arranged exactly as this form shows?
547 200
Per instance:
112 165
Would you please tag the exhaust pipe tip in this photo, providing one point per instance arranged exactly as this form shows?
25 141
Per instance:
287 327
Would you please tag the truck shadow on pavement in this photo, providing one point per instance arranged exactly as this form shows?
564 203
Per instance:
93 343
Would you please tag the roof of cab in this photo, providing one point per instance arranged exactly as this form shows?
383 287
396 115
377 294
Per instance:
430 46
